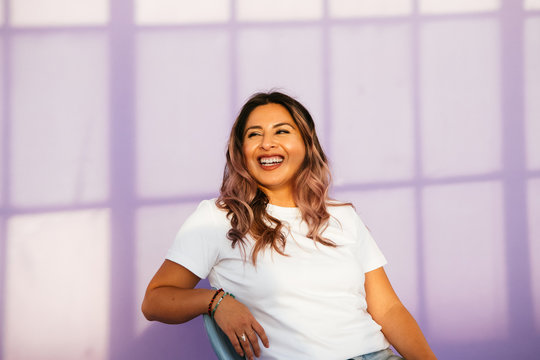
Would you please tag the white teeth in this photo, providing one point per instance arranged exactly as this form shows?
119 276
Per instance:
271 160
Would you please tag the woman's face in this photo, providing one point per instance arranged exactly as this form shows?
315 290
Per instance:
273 150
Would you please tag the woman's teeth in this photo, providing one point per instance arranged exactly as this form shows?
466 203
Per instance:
271 160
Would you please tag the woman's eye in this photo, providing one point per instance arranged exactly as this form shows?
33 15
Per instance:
250 135
282 131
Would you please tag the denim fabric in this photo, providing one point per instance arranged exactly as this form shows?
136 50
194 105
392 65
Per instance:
386 354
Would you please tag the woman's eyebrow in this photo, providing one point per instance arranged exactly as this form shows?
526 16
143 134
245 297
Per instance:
283 123
260 127
252 127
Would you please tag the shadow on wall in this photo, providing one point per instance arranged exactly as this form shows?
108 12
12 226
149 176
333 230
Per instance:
495 349
168 342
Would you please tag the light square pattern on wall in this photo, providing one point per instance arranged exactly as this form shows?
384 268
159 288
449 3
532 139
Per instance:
2 241
3 135
460 89
369 8
532 92
533 207
181 11
57 286
58 12
183 108
2 252
390 217
457 6
156 228
464 259
372 134
59 119
531 4
276 10
282 59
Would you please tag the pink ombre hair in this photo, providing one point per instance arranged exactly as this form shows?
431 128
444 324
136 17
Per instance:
246 204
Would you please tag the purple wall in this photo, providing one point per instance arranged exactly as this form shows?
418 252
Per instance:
114 117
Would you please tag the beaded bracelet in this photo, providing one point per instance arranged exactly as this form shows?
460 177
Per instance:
219 301
211 301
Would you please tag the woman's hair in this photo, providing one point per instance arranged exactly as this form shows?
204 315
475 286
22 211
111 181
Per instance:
246 204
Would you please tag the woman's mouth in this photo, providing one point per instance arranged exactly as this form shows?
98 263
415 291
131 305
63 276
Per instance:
270 162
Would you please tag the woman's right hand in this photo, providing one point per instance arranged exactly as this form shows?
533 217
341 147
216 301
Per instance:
240 326
172 299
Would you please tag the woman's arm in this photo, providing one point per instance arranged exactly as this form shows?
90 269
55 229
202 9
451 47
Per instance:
171 298
398 326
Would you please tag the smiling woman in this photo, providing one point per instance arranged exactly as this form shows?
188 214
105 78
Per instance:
274 124
313 286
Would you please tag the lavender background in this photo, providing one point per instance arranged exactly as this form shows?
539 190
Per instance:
114 117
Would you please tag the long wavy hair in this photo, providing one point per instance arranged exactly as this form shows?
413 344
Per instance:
246 203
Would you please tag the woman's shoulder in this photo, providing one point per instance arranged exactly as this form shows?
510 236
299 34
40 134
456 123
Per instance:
340 209
208 211
346 214
342 215
208 205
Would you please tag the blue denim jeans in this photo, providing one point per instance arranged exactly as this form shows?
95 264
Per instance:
386 354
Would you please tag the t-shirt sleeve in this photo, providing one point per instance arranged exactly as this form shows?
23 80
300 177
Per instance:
196 246
371 256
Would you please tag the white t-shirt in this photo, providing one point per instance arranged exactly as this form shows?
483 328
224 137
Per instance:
311 303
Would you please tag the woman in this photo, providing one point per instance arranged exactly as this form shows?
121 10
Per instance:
302 277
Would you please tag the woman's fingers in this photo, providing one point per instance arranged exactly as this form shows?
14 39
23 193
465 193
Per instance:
251 337
260 332
249 340
245 343
235 343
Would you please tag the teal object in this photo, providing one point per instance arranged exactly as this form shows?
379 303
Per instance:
219 341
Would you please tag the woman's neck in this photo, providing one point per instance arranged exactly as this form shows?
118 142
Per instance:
282 197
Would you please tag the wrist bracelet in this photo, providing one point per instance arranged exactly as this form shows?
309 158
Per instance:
211 301
219 301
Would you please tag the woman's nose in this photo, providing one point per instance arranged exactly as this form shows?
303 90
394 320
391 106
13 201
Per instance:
267 142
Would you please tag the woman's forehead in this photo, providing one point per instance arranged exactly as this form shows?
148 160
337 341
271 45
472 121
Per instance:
269 114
